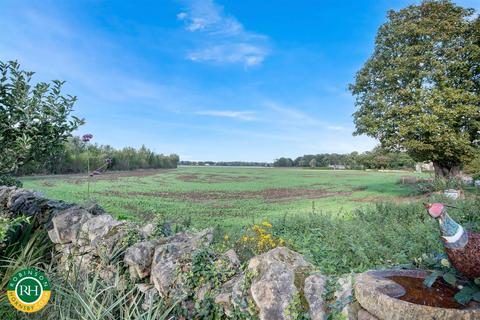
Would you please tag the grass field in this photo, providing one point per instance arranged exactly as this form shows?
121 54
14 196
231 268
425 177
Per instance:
311 210
226 196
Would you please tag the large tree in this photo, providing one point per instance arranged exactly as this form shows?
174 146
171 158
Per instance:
35 119
420 89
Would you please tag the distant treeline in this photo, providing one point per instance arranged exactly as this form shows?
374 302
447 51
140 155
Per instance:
225 163
74 157
375 159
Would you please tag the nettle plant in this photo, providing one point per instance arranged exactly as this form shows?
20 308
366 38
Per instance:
469 290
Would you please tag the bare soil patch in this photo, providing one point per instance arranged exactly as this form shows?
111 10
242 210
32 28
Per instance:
213 178
188 177
269 195
114 175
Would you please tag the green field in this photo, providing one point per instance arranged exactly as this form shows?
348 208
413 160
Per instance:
225 195
311 210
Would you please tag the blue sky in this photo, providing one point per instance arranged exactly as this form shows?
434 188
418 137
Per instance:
208 80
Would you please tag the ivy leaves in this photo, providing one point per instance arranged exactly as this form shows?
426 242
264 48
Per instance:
469 292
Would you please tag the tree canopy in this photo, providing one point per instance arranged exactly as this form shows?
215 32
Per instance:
378 158
420 89
75 154
35 119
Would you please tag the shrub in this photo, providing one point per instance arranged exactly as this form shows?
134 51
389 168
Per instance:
438 184
9 181
255 240
380 235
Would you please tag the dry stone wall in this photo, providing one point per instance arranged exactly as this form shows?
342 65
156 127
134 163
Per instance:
279 284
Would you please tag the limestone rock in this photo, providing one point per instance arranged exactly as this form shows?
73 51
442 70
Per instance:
350 310
4 196
166 257
230 295
274 287
313 291
50 209
98 227
150 295
25 202
345 290
66 226
139 259
94 208
344 295
148 230
232 258
375 293
365 315
201 292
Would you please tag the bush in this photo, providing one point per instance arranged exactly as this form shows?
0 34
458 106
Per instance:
438 184
9 181
381 235
256 239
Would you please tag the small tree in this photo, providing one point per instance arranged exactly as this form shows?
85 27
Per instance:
420 90
35 119
283 162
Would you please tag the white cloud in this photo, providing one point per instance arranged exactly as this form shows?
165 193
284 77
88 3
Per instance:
241 115
222 38
245 53
292 115
182 15
337 128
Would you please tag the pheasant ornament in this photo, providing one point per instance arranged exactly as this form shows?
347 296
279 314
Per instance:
461 246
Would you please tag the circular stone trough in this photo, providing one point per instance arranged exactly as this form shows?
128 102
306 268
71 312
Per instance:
400 294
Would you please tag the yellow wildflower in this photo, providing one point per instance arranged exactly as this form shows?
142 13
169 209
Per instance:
267 224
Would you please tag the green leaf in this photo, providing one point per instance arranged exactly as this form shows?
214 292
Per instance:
430 280
450 278
476 296
463 297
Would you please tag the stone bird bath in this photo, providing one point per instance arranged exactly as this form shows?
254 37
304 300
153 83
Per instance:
400 294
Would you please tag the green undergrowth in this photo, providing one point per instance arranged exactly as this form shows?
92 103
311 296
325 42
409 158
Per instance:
381 235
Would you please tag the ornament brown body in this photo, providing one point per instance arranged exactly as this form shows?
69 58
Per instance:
467 259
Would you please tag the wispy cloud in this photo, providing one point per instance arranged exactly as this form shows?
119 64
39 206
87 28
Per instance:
245 53
296 118
241 115
337 128
222 38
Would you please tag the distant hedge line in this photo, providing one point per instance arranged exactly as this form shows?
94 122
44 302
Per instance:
378 158
74 158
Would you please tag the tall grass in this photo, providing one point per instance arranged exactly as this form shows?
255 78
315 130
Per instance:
379 236
75 295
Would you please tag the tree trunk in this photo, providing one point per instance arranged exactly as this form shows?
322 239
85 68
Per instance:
446 171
